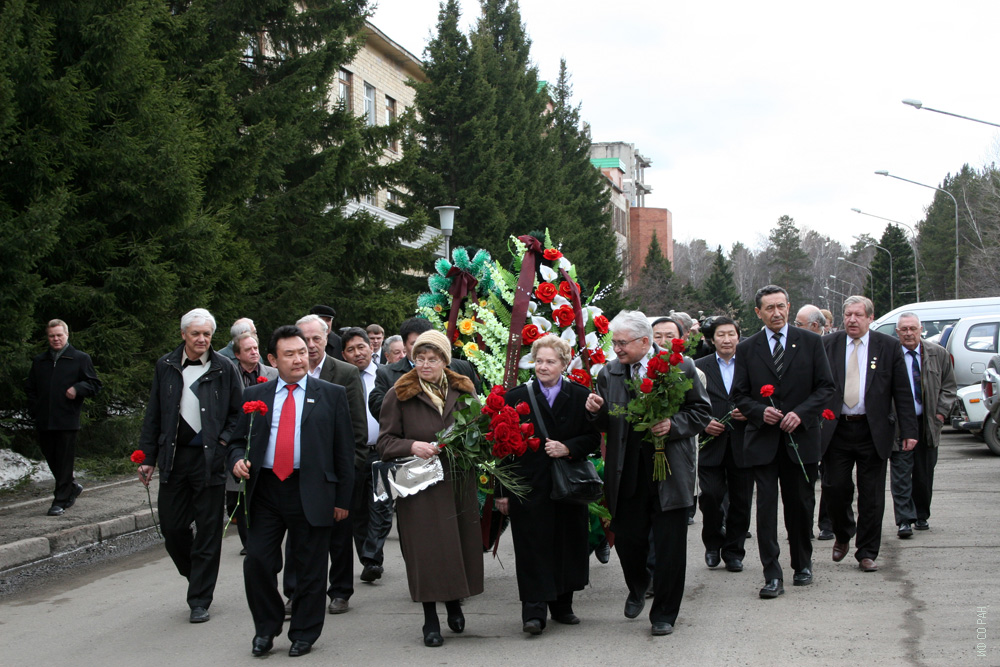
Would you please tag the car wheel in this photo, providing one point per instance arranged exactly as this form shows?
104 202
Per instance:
991 433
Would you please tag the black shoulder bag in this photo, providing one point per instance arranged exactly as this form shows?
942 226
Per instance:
573 481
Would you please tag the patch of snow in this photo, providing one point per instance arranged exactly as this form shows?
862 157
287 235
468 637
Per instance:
14 467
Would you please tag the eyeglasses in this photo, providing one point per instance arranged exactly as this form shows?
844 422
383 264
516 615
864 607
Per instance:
800 324
426 362
618 344
907 329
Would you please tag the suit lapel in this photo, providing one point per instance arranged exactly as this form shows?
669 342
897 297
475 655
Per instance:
839 361
764 352
310 401
874 353
792 348
714 376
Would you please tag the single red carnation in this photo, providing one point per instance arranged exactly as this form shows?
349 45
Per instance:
767 390
552 254
601 324
676 358
138 456
546 292
828 414
564 315
523 408
677 345
646 386
261 379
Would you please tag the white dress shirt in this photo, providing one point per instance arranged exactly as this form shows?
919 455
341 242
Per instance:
368 378
727 369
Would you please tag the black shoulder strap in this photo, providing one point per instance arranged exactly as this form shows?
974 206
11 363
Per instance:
534 408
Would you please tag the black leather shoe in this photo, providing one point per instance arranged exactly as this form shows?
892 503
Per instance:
603 551
826 535
904 531
803 577
772 589
433 639
262 646
298 648
712 558
199 615
55 510
921 524
633 606
77 490
734 565
456 622
660 629
532 626
371 572
568 618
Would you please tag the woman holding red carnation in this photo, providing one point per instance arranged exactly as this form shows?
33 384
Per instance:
439 531
550 538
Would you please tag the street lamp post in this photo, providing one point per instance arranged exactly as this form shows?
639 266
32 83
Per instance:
916 255
917 104
892 305
853 286
883 172
447 215
871 275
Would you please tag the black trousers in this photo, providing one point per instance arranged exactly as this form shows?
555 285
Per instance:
59 449
276 509
181 501
799 502
852 446
633 520
562 605
341 557
911 479
722 530
372 521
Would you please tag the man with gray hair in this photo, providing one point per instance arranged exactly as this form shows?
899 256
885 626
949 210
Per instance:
240 327
637 502
810 317
932 383
193 407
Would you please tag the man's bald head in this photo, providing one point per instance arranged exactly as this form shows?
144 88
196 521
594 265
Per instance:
809 317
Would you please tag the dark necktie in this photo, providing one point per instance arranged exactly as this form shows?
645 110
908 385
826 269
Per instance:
779 354
284 443
636 369
191 362
918 390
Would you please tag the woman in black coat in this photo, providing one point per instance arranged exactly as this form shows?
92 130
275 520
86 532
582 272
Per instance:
550 538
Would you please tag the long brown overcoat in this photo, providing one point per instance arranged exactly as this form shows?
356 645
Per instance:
439 531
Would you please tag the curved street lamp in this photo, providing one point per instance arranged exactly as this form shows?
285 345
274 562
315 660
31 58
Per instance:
917 104
892 305
916 256
871 276
883 172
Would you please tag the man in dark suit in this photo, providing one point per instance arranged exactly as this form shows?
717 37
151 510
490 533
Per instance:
60 378
721 469
300 476
324 367
637 502
870 377
387 375
793 362
376 336
334 346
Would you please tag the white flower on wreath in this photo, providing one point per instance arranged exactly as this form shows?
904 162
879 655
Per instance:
595 369
593 311
569 336
532 307
543 324
559 301
565 264
527 362
548 273
591 341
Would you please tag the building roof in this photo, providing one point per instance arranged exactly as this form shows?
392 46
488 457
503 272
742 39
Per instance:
410 63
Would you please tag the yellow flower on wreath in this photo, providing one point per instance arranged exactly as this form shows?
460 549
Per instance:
438 308
483 479
470 348
466 326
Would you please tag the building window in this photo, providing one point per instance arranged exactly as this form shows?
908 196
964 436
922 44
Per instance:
345 89
369 199
390 116
370 104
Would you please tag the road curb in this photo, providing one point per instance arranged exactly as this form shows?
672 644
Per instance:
23 552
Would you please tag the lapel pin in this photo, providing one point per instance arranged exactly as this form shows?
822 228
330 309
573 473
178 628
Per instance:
313 400
793 344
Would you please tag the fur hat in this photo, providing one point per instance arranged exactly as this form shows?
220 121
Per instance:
438 341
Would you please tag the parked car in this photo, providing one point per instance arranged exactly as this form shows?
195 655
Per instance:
969 413
990 386
972 343
936 315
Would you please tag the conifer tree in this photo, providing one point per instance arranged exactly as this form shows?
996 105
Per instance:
787 261
719 293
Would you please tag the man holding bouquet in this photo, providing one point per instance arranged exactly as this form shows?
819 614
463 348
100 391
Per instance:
637 501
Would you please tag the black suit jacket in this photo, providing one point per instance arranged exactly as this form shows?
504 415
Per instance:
722 402
885 384
326 442
386 376
349 377
804 388
334 346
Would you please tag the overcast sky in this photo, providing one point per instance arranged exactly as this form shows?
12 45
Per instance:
753 110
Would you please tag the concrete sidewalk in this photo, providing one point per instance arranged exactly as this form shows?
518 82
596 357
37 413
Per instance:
106 509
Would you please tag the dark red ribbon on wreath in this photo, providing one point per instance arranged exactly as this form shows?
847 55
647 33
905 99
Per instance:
462 285
519 311
581 326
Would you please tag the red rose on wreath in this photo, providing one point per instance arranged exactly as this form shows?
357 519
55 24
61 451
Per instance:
530 333
546 292
494 403
828 414
564 315
597 356
677 345
601 324
566 289
581 377
646 386
676 358
523 408
767 390
551 254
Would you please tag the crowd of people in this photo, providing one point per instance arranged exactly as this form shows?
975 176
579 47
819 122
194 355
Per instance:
288 447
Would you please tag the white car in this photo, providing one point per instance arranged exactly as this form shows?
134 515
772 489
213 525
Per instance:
972 343
970 411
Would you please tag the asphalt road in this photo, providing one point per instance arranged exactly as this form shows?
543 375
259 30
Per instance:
934 599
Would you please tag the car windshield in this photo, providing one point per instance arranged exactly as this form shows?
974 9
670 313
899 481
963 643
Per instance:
931 327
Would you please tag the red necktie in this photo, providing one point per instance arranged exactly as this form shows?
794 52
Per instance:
284 443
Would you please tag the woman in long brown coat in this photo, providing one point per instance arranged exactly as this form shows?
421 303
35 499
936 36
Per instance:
439 531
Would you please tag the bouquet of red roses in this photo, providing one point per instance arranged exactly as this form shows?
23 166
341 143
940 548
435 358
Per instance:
658 396
485 434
